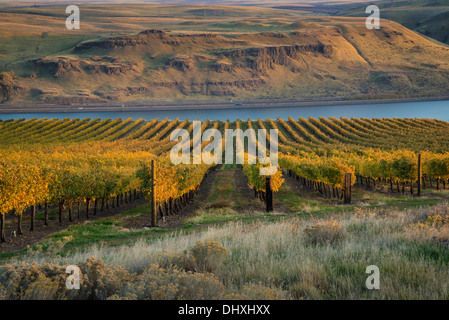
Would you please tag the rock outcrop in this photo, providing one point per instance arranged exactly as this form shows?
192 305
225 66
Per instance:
148 37
9 86
264 58
218 88
59 66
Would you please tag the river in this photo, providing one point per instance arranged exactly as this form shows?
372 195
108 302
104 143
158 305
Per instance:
422 109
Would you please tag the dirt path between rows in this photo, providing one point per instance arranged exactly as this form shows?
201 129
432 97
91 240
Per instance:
244 201
247 200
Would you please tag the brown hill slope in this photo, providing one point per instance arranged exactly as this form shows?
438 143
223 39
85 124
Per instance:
326 57
428 17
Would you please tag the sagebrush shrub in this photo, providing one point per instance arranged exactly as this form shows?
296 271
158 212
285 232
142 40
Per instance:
48 281
99 281
185 275
435 229
31 281
157 283
202 257
257 291
50 249
167 260
324 232
436 222
208 256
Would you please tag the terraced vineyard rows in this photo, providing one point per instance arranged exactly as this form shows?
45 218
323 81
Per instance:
302 134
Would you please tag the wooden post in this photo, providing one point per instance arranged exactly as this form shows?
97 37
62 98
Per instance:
33 215
70 204
167 212
153 195
61 204
269 194
46 214
419 174
2 228
347 191
170 206
87 208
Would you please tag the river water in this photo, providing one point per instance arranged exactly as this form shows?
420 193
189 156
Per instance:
423 109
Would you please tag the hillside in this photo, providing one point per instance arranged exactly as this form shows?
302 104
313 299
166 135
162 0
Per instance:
274 54
430 18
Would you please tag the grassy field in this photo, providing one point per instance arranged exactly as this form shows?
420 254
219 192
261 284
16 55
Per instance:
426 17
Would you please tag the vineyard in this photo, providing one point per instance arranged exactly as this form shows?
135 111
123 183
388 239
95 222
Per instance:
101 163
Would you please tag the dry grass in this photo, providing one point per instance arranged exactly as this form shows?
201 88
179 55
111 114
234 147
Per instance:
413 265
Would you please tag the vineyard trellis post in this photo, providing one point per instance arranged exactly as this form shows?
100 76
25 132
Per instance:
419 175
32 216
269 194
347 188
2 227
153 195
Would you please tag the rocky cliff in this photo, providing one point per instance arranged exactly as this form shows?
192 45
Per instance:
263 58
60 66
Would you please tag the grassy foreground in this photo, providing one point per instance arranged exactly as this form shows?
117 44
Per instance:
231 249
296 258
